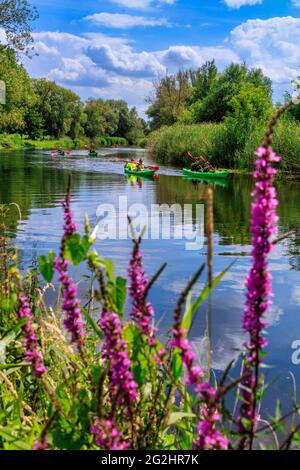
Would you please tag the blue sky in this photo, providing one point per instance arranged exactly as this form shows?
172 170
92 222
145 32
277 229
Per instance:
116 48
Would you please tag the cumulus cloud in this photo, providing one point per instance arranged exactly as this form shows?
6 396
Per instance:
192 57
120 21
240 3
142 4
272 45
125 61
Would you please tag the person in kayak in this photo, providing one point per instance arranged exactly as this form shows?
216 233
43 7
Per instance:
141 165
131 165
200 164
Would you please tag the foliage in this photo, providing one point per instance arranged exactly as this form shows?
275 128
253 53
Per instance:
19 94
171 95
61 110
113 118
206 95
16 17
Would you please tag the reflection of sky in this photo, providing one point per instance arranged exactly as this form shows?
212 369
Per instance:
103 182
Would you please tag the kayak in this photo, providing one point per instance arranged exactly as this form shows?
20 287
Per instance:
93 154
155 168
149 167
140 172
205 174
215 181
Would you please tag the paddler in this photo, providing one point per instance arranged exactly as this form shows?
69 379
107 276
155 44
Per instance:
141 165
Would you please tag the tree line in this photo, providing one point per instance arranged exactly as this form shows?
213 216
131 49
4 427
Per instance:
39 107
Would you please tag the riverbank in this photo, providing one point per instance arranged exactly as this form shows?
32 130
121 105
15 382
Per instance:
18 142
223 146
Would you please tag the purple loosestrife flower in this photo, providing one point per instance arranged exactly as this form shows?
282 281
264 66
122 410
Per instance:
71 304
142 311
114 351
259 289
209 438
41 445
107 436
33 356
69 226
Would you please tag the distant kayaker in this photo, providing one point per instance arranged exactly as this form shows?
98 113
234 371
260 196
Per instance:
131 165
200 164
141 165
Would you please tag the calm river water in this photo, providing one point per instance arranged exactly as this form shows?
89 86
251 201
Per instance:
36 182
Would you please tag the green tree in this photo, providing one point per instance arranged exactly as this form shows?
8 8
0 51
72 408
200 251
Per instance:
19 93
34 126
122 117
136 127
60 109
171 96
217 104
202 80
97 112
16 17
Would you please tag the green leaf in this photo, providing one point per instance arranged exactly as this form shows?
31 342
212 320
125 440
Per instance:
13 366
192 308
176 364
176 416
5 341
77 248
120 294
8 435
8 304
109 269
46 265
92 323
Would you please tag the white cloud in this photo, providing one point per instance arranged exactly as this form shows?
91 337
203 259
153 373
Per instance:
124 61
296 3
240 3
272 45
192 57
142 4
120 21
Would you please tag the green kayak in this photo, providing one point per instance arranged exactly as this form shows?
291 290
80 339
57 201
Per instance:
93 154
140 173
205 174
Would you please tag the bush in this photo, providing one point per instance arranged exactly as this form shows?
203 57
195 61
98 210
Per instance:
110 141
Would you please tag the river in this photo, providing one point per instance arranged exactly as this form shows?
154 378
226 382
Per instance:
36 182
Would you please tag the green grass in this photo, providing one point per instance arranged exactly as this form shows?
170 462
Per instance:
219 144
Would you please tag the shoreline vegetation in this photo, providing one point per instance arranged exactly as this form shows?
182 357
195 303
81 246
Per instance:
221 115
170 145
18 142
